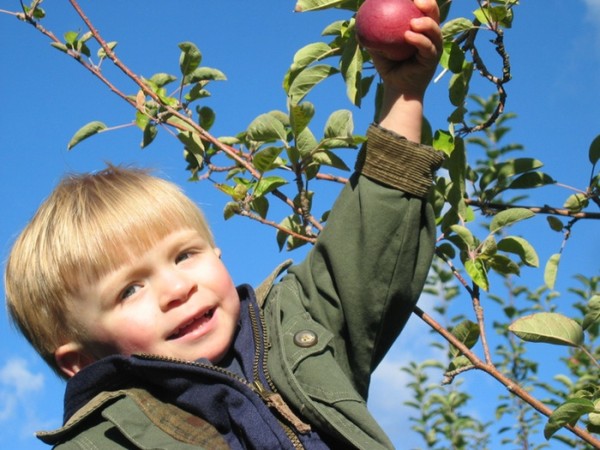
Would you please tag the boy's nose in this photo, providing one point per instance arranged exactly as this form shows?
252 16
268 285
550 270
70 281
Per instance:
176 287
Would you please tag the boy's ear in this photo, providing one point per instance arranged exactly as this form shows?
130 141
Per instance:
71 358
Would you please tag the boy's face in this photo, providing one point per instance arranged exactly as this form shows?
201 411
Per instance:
176 299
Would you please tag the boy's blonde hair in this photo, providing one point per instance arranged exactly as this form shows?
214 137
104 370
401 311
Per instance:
89 226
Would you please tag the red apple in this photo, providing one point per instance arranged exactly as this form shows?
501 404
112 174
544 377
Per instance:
381 24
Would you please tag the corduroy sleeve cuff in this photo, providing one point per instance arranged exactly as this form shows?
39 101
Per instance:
395 161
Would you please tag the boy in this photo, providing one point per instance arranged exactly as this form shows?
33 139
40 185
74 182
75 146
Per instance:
162 350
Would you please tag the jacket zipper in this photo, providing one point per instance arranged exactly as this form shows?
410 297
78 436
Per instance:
269 396
272 398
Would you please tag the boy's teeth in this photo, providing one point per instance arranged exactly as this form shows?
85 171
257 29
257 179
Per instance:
194 323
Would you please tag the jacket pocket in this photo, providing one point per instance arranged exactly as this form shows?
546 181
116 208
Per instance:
310 356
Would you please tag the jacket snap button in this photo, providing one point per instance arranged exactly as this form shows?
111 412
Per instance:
305 338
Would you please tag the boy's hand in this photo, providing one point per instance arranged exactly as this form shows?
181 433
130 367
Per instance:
412 76
405 82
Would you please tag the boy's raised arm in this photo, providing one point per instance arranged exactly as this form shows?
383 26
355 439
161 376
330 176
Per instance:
368 268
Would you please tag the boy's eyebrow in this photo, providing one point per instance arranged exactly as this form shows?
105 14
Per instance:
110 285
132 267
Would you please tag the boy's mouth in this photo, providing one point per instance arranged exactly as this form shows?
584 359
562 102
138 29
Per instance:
192 325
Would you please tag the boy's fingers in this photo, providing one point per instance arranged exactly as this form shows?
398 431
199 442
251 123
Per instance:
426 46
429 8
425 33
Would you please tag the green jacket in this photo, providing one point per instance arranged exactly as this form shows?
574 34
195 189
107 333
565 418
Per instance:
330 320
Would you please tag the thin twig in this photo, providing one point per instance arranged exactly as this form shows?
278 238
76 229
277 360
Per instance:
253 216
536 209
481 322
330 177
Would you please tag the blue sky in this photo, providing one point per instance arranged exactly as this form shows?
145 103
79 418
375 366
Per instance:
555 53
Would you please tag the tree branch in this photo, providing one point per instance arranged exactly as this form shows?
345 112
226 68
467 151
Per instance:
491 370
536 209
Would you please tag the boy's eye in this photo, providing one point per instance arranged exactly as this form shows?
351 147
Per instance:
183 256
129 291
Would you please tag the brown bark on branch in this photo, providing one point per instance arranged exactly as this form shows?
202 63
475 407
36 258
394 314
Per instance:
491 370
536 209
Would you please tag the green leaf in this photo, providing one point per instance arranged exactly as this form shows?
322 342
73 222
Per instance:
495 14
336 28
315 5
456 26
204 74
548 327
592 314
465 235
267 128
339 125
206 117
300 116
520 247
71 37
192 141
594 418
446 249
351 65
503 265
38 13
195 163
309 54
102 53
330 159
141 120
60 46
308 79
267 159
594 153
466 332
443 141
197 91
230 191
162 79
453 57
291 223
567 414
305 144
190 58
231 209
83 49
489 247
180 124
148 135
260 205
86 37
551 270
459 87
268 184
576 202
531 180
555 224
85 132
459 362
516 166
509 217
476 270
